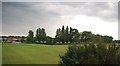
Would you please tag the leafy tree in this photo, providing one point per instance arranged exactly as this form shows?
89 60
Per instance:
67 34
91 54
75 36
49 40
58 36
63 35
43 35
23 39
116 41
30 37
40 35
96 38
70 39
107 39
86 36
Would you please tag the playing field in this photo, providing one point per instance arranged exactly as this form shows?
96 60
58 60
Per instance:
32 53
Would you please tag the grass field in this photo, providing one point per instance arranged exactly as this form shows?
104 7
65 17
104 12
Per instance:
32 53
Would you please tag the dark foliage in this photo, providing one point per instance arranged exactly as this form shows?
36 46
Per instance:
30 37
91 54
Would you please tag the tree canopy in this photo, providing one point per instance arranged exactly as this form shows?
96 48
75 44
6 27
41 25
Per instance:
67 35
30 37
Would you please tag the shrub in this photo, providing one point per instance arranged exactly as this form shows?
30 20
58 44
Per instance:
91 54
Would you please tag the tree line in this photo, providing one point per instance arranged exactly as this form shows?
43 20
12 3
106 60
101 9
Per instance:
66 35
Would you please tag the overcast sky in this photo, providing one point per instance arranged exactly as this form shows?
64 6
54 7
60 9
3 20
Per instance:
99 17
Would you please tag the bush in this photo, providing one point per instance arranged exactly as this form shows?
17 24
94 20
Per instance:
91 54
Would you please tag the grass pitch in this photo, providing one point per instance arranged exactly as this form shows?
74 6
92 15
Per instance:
32 53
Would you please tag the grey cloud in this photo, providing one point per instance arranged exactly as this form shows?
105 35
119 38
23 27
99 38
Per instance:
106 11
19 17
103 10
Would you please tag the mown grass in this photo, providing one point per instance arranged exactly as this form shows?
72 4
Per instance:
32 53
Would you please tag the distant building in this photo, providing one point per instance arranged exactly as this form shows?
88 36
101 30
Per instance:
12 39
16 41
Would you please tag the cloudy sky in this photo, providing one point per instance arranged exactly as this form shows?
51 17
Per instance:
99 17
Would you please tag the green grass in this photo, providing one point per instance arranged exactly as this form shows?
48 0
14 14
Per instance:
32 53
